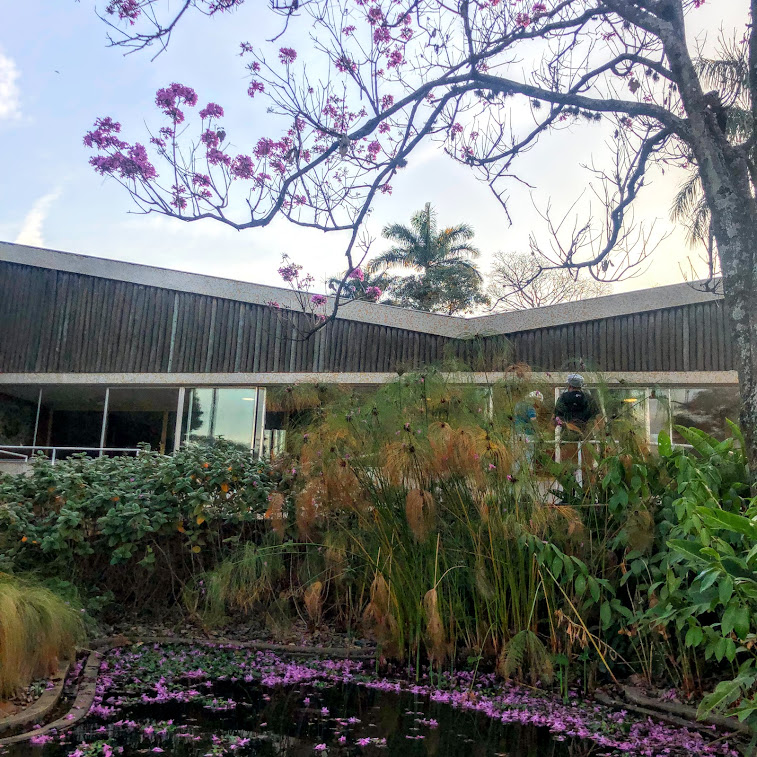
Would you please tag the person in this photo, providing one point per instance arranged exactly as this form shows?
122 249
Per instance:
525 414
575 406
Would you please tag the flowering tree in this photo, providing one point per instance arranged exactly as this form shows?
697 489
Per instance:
315 305
487 79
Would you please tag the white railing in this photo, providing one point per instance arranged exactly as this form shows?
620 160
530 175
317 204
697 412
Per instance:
14 455
54 451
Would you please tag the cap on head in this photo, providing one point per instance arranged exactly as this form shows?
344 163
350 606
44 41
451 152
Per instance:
576 380
537 396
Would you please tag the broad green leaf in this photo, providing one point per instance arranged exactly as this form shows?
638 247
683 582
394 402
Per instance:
664 446
694 636
725 693
725 590
605 614
593 588
691 549
730 521
580 585
736 568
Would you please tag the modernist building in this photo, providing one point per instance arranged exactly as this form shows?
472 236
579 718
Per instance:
102 355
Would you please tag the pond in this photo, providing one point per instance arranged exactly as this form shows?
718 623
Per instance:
216 701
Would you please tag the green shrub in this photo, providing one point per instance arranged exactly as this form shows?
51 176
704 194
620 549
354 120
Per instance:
138 527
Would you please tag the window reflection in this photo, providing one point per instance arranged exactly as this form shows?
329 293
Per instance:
705 409
228 413
659 413
234 415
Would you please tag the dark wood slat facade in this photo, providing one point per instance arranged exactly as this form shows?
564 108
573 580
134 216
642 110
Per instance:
53 321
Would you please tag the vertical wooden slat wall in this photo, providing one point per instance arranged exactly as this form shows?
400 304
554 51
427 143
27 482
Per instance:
56 321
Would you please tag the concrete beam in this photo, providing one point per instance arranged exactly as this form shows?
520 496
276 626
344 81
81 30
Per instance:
638 378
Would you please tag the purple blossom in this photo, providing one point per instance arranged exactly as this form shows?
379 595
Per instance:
209 138
133 164
217 157
126 10
255 87
102 136
169 98
242 167
264 147
211 110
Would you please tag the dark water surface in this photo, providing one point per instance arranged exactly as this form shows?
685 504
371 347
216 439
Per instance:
299 721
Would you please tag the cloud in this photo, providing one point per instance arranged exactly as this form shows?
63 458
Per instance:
31 228
10 95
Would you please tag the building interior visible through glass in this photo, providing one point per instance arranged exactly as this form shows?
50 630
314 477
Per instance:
121 418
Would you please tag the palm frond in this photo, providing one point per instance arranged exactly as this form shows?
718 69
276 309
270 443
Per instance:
687 198
740 124
462 266
525 652
397 232
392 258
699 224
729 73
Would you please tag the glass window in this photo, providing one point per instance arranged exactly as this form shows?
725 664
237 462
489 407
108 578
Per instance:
659 413
234 415
705 409
228 413
626 404
198 409
141 415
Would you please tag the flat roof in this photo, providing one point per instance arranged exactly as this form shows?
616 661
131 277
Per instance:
644 300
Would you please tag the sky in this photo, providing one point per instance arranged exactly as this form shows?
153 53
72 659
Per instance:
57 75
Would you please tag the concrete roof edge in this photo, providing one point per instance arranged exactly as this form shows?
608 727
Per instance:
595 308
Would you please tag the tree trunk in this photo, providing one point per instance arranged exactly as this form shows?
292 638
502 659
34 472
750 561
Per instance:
734 220
737 258
728 189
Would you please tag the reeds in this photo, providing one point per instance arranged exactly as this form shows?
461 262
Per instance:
425 503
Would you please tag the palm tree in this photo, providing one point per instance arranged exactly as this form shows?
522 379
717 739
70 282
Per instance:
444 277
731 98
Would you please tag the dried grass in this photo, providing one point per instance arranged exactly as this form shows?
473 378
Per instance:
37 629
313 598
420 511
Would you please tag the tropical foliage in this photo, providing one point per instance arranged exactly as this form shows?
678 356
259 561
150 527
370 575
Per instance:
728 75
441 277
415 514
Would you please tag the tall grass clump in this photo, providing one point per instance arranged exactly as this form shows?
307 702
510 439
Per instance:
244 580
37 630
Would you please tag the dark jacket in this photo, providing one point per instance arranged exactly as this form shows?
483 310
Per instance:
575 406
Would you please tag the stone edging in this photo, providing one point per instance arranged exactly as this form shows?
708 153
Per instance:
85 695
38 709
